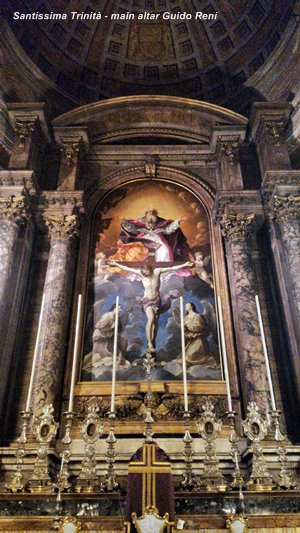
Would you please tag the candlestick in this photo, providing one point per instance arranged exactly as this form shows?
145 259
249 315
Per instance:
113 381
225 365
35 356
75 355
265 354
185 392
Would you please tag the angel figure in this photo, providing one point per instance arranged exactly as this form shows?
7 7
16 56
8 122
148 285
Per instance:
101 267
196 331
200 263
103 338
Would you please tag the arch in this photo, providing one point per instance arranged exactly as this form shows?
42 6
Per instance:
178 118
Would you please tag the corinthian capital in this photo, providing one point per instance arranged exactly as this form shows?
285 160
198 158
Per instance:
285 208
14 209
62 227
237 226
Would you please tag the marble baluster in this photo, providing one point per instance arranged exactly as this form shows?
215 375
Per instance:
57 288
238 231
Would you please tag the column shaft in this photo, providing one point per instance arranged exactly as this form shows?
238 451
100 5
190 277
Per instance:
238 232
58 286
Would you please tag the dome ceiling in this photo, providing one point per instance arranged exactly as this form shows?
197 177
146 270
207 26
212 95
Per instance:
90 60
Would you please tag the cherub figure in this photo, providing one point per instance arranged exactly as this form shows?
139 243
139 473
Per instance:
101 267
200 263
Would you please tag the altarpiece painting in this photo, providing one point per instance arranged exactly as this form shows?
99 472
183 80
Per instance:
164 227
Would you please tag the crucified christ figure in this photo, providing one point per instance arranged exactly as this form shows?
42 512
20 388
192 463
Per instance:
150 278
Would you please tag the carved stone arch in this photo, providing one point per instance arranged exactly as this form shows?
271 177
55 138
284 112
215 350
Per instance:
192 182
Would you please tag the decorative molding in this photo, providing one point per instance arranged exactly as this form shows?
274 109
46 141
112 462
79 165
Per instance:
230 147
164 406
72 199
243 202
23 127
70 151
284 208
150 166
279 178
62 227
238 226
274 126
14 209
21 180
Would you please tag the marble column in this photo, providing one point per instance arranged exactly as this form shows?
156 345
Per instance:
57 288
238 230
14 212
285 210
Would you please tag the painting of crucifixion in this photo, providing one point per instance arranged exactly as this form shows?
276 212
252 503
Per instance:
151 247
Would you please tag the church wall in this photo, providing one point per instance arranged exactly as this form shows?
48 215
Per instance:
242 265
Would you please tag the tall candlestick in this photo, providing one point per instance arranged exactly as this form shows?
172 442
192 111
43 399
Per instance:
185 392
75 355
263 339
35 356
225 365
113 381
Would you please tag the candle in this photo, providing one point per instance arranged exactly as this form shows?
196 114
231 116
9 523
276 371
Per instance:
35 355
113 381
185 392
225 365
265 353
75 355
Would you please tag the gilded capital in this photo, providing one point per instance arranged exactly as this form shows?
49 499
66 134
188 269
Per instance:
62 227
285 208
14 209
23 128
238 226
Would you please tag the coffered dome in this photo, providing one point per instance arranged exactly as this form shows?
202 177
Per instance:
89 60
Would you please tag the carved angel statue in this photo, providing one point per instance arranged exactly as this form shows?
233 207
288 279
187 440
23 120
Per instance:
197 327
201 263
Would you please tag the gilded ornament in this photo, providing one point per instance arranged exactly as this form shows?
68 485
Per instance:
91 429
256 428
45 428
237 226
285 208
23 128
230 148
14 209
274 126
209 427
62 227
